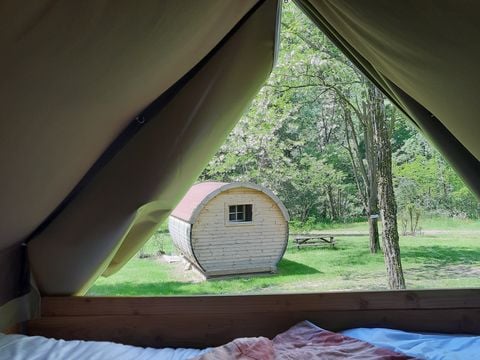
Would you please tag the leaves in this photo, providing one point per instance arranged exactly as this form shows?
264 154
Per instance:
297 140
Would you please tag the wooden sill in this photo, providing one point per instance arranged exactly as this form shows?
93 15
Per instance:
201 321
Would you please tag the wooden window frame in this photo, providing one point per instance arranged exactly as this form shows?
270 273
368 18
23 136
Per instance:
236 212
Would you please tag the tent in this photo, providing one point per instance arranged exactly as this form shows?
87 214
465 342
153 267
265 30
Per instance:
110 109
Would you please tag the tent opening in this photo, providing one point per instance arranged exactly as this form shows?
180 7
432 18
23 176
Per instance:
309 136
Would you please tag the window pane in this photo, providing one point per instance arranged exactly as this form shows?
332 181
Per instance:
240 216
240 213
248 212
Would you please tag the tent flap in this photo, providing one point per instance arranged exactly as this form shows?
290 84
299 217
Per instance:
67 94
74 74
18 300
14 273
106 223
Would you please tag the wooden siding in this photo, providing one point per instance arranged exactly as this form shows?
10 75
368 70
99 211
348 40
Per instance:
201 321
223 247
180 232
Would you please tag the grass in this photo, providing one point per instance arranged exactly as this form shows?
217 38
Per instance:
447 255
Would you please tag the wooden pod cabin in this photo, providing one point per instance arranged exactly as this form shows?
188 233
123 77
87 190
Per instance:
230 228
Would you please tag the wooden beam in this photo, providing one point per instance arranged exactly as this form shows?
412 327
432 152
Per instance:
15 329
200 321
372 300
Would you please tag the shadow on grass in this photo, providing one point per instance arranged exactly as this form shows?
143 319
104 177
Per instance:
438 262
440 255
289 267
241 284
442 272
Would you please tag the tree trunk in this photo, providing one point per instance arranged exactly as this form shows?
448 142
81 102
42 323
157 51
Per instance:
331 200
388 207
368 187
373 109
373 230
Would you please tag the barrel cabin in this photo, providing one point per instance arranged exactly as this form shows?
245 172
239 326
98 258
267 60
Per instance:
230 228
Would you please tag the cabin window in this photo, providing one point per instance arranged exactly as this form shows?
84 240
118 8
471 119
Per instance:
240 213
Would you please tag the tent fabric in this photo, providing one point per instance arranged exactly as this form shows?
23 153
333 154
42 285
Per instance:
14 273
424 55
73 75
19 300
112 216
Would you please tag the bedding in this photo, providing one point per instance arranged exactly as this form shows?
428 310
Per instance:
302 341
21 347
425 346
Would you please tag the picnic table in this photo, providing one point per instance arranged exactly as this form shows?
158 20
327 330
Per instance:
320 239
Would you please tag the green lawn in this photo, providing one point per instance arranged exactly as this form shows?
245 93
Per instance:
447 255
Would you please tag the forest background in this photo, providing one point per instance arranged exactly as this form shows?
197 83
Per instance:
308 137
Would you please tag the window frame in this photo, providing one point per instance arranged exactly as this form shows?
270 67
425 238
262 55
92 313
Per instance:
243 222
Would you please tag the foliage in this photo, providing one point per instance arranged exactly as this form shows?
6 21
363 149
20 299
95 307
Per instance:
424 180
288 141
160 243
296 140
410 220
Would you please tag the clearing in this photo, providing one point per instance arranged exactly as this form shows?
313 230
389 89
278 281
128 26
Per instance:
446 255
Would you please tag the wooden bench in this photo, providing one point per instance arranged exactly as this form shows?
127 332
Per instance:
320 239
314 240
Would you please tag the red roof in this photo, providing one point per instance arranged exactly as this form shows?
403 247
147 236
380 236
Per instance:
193 198
188 208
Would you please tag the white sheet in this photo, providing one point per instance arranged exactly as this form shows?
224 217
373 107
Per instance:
20 347
423 346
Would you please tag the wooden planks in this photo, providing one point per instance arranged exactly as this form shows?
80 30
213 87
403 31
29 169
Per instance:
200 321
239 247
180 232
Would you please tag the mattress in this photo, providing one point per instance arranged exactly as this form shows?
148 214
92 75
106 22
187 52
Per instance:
417 345
21 347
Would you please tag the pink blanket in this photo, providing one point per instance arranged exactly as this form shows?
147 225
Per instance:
302 341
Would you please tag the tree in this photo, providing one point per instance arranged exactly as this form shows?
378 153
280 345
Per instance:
321 136
335 77
424 180
388 207
364 161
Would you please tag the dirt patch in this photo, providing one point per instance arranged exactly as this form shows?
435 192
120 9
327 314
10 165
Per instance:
181 270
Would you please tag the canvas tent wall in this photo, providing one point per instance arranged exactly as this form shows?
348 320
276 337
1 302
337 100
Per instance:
96 94
102 168
220 241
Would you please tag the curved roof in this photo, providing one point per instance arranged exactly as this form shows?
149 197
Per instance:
200 194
